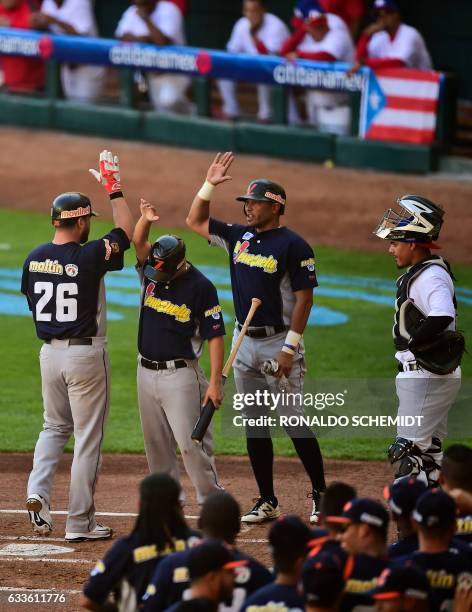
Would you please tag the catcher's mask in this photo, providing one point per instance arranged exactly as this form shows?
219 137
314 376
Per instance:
263 190
416 220
166 258
71 205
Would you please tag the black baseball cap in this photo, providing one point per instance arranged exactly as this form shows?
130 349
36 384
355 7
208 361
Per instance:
435 508
210 556
407 580
289 533
403 494
364 510
323 580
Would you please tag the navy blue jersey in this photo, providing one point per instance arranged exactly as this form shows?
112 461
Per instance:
198 604
170 582
445 571
64 285
128 566
405 546
268 265
464 529
273 597
177 316
361 578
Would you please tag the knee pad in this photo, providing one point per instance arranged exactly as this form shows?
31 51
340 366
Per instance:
406 458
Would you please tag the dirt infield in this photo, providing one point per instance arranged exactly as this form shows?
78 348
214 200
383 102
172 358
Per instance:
117 493
332 207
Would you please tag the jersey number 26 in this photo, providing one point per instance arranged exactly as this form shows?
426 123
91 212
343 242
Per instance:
66 307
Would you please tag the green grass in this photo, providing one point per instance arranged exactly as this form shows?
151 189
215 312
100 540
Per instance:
361 348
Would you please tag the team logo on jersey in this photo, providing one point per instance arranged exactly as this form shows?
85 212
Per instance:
213 312
248 236
241 255
308 263
242 574
180 313
180 575
71 269
98 569
115 247
46 267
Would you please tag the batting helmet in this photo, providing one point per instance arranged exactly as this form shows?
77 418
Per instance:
417 220
71 205
263 190
166 258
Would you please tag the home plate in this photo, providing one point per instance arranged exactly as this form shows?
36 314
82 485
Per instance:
34 550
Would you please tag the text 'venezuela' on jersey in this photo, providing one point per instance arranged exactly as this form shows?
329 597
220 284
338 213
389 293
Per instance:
176 317
267 265
64 285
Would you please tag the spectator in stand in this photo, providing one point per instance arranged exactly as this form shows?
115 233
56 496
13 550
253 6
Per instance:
389 43
20 74
256 33
350 11
329 111
159 22
304 8
75 18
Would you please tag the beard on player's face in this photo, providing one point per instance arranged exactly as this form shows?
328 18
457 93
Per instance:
85 231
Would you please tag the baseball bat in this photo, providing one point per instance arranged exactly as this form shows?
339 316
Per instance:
209 409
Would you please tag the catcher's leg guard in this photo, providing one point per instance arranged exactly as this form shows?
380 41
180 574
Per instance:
406 459
432 461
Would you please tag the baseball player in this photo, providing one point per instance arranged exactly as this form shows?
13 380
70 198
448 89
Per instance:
273 263
256 33
63 283
76 18
446 567
220 519
455 476
402 589
160 23
288 538
365 539
127 567
179 311
425 309
320 41
389 43
323 583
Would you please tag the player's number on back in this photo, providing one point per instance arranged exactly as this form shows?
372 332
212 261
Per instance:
66 307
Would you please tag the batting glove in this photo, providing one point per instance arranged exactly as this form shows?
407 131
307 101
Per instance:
109 174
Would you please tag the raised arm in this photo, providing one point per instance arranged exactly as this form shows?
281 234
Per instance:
199 213
141 231
108 175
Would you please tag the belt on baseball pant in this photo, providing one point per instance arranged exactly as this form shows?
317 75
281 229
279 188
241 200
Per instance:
163 365
263 332
74 341
409 366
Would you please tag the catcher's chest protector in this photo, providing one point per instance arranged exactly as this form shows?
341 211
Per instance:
407 316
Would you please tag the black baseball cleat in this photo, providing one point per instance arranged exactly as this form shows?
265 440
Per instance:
315 511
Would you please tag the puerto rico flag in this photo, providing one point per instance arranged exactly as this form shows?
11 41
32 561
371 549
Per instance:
401 105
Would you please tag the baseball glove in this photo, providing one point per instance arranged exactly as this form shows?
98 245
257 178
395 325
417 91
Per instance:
441 355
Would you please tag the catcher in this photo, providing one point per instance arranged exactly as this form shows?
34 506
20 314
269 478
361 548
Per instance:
429 349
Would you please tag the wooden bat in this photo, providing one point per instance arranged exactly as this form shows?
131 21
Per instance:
209 409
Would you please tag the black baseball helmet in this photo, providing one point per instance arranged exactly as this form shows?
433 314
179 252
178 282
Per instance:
263 190
166 258
71 205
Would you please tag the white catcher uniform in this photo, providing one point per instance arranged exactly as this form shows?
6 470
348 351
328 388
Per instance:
80 83
272 35
167 91
422 393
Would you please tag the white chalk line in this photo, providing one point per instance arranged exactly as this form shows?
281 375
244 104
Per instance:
27 590
47 560
64 512
49 539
